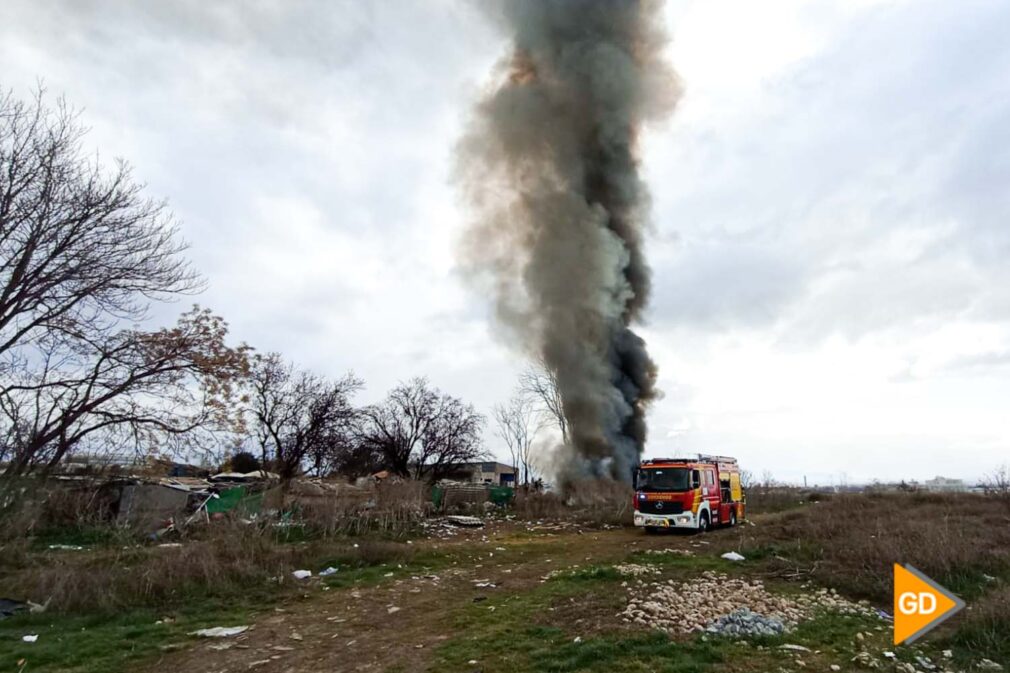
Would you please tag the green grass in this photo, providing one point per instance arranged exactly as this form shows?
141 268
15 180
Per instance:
81 536
357 573
515 633
972 582
689 565
555 653
95 644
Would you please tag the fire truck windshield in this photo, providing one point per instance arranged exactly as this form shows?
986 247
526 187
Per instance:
666 479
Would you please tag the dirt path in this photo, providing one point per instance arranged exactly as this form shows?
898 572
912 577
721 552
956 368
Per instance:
396 624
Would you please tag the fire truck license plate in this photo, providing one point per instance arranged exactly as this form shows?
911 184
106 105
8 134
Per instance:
656 521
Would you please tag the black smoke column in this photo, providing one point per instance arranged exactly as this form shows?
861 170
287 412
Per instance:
550 168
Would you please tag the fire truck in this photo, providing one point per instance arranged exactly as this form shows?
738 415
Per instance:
696 493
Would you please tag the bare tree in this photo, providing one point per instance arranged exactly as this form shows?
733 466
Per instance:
540 383
133 388
298 418
80 248
422 432
997 484
82 256
518 422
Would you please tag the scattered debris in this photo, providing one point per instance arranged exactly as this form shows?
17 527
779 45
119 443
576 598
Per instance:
989 665
66 547
301 574
794 648
675 552
867 660
465 521
9 607
31 638
329 571
220 632
733 556
391 609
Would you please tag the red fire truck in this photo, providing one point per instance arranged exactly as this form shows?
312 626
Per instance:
696 493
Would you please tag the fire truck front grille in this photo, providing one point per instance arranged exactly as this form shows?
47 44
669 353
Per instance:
660 507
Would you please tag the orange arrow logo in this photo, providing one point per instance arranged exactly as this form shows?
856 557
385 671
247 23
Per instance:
919 604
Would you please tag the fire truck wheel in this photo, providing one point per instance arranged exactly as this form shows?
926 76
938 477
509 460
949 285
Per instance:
732 518
703 522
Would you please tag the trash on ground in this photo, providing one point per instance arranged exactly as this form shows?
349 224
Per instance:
220 631
10 607
31 638
465 521
329 571
733 556
301 574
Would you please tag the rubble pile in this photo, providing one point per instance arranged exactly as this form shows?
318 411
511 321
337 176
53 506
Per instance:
697 604
746 623
636 569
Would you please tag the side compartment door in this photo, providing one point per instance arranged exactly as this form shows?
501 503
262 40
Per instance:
710 491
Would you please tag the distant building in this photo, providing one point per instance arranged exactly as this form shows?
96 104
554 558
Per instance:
486 472
945 485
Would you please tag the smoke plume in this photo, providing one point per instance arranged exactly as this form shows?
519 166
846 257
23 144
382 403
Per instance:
549 166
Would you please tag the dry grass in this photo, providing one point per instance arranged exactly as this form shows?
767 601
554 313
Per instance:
600 502
395 509
228 561
771 499
117 569
851 541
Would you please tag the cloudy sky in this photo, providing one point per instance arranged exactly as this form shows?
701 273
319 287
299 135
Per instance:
830 200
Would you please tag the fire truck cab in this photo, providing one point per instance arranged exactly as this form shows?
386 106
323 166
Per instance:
695 493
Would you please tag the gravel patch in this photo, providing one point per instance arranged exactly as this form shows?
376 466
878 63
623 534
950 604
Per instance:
636 569
730 606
